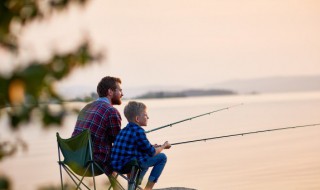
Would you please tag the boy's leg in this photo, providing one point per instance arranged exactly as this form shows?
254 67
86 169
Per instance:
149 185
158 162
142 173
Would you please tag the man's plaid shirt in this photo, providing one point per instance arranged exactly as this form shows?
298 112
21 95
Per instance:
130 143
104 123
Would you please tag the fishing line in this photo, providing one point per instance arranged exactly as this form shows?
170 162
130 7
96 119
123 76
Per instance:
190 118
246 133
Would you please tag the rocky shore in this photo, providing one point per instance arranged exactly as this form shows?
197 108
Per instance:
176 188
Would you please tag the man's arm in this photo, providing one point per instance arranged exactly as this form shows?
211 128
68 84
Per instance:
114 121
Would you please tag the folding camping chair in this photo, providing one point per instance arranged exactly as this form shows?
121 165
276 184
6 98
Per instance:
78 160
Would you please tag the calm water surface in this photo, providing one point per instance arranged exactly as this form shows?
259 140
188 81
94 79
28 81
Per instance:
280 160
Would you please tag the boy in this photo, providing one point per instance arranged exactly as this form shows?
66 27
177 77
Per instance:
132 143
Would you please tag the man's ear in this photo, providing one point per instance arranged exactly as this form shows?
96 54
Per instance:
110 92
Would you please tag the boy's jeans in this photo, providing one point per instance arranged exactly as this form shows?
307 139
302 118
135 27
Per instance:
158 162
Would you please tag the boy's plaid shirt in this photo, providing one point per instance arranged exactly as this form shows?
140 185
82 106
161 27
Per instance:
130 143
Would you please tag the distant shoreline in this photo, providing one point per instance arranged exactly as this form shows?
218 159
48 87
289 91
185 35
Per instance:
185 93
276 84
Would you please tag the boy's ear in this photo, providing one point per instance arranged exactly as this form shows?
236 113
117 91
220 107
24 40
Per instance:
136 118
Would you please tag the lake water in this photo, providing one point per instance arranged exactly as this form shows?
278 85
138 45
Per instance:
279 160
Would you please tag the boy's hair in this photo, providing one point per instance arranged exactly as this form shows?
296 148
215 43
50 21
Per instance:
107 83
133 109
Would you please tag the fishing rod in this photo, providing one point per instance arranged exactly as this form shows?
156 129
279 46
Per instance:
246 133
190 118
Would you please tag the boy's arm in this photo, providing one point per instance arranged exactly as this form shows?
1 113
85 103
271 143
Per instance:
143 143
159 149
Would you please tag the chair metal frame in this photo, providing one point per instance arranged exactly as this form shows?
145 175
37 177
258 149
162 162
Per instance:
92 165
133 169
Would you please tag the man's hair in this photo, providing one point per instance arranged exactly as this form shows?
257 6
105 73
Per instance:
107 83
133 109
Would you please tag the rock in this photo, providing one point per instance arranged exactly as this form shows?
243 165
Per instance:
175 188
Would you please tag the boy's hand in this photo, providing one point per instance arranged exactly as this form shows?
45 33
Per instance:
167 145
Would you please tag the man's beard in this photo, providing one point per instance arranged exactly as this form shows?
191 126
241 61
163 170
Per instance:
116 101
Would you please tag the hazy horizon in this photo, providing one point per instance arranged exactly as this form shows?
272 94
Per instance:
242 86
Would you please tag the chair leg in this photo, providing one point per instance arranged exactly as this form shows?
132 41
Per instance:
94 181
115 184
59 162
74 177
137 179
62 186
133 180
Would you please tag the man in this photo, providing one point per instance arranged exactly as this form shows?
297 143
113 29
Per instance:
103 120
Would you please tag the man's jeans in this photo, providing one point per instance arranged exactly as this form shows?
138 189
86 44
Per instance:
158 162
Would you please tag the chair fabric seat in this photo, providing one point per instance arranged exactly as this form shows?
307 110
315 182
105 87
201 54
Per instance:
76 153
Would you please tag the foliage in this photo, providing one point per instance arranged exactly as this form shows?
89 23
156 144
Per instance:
27 92
17 12
5 183
30 89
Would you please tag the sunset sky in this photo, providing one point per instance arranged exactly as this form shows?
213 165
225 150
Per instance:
185 43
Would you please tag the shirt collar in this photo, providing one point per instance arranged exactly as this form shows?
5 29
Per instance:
104 99
134 124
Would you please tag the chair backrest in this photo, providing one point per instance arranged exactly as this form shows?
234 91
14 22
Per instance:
77 153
